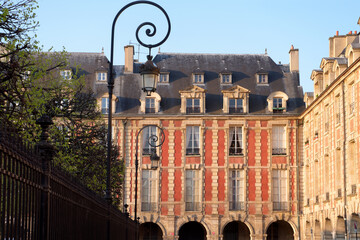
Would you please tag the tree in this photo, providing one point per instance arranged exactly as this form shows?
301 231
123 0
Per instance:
31 85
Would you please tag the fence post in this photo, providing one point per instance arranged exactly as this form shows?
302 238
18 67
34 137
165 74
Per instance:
46 154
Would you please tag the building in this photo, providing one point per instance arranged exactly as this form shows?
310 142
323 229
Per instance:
246 154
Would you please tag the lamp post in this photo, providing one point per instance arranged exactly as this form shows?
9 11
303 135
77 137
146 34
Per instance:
149 73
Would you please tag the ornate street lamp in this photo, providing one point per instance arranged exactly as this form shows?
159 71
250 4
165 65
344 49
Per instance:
149 75
149 72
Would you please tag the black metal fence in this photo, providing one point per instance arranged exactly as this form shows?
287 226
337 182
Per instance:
42 202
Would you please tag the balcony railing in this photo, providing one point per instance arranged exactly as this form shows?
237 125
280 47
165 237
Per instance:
236 110
193 110
105 110
353 189
339 193
280 206
327 196
316 199
149 110
236 206
235 151
148 206
192 151
279 151
192 206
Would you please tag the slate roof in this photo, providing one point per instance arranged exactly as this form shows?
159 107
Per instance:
243 69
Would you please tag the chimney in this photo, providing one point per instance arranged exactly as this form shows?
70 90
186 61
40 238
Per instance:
294 59
129 59
337 44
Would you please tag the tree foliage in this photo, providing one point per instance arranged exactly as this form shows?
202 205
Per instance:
31 85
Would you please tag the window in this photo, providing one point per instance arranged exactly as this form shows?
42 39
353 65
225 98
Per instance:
150 105
327 118
193 105
236 190
105 105
352 99
262 78
278 140
198 78
65 74
149 133
192 140
277 105
192 198
101 76
148 191
337 109
279 190
236 105
226 78
164 78
235 141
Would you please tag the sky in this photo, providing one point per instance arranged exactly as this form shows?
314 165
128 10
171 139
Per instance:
202 26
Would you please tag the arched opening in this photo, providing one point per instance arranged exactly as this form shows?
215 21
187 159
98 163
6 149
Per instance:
280 230
354 226
340 228
192 231
150 231
328 229
236 231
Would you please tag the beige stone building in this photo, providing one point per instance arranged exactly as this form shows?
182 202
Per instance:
330 166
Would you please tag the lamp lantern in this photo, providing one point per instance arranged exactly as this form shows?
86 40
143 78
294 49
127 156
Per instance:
154 158
149 72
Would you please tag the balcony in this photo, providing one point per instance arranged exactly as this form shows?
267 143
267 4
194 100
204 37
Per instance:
148 206
236 206
236 110
279 151
339 193
327 196
235 151
353 189
280 206
192 206
192 151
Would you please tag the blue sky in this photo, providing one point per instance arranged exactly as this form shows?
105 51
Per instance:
203 26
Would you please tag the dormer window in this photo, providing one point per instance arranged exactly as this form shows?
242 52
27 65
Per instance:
262 77
65 74
235 100
198 78
164 77
277 105
192 100
226 78
149 105
193 105
101 76
236 105
105 105
277 102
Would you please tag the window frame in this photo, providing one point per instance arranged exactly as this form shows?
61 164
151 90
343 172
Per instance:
149 105
66 74
101 76
163 77
149 131
238 108
237 140
105 105
192 140
192 107
236 190
279 140
192 190
148 190
278 105
198 78
280 190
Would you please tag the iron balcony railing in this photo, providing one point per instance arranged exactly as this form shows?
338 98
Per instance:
235 151
192 151
279 151
236 110
236 206
280 206
193 110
